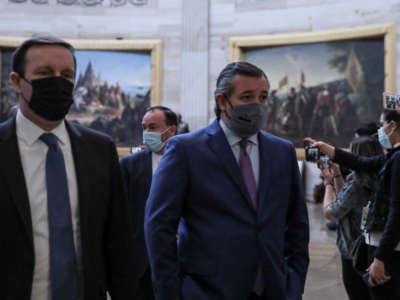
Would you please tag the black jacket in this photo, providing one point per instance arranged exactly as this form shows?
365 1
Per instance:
107 241
137 174
384 214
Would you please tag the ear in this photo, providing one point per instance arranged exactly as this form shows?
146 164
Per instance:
16 81
221 102
393 125
396 126
173 130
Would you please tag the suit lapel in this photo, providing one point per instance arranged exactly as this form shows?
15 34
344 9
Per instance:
219 145
15 174
265 171
81 156
148 170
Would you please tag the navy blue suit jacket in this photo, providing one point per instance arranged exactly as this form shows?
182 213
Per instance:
198 186
137 172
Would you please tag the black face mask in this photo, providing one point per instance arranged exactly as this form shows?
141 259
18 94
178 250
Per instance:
51 97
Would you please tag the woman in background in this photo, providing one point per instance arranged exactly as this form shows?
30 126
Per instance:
345 204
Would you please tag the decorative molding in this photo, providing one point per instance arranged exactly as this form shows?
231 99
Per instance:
87 3
67 2
257 4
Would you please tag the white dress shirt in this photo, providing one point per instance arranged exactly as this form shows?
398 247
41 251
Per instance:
155 160
252 148
33 157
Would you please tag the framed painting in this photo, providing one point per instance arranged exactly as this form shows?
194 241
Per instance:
323 84
116 81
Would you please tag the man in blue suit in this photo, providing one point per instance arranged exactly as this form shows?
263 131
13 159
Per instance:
159 124
235 196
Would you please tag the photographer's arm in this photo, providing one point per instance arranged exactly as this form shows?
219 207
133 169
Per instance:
323 147
349 160
359 163
338 179
329 195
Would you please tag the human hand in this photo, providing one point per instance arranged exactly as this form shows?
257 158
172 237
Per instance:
335 169
323 147
327 174
377 275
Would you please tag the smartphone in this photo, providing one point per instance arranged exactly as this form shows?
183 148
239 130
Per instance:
312 153
365 277
324 162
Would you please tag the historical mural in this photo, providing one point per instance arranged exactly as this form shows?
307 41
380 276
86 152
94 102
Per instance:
324 90
112 92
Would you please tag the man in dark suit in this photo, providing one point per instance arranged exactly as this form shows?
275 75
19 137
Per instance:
65 232
159 124
236 194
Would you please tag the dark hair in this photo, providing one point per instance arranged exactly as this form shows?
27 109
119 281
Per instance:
170 116
365 146
391 115
367 129
225 79
19 55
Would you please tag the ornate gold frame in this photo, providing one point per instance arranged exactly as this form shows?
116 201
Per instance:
154 47
237 45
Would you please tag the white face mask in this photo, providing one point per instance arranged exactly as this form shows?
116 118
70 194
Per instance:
152 140
384 138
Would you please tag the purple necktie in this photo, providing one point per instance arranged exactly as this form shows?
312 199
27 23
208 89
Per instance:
247 173
248 177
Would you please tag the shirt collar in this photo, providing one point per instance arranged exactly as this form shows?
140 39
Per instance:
232 138
30 132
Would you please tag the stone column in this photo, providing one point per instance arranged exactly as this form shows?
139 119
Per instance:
194 83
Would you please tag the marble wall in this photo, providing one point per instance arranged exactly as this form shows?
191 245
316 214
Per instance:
195 33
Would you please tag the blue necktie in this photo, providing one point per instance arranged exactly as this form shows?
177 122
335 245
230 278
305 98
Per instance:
63 268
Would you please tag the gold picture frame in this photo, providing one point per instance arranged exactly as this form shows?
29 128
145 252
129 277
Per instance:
239 45
151 46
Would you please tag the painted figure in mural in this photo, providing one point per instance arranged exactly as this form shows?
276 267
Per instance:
65 232
273 104
324 110
233 192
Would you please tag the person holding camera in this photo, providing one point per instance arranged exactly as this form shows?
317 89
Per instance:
383 217
345 204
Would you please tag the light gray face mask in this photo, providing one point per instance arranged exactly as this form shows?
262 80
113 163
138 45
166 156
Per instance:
384 138
247 119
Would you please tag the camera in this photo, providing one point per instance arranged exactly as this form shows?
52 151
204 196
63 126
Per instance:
312 153
323 162
391 101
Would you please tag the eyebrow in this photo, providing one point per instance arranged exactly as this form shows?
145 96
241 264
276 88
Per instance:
49 68
251 92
